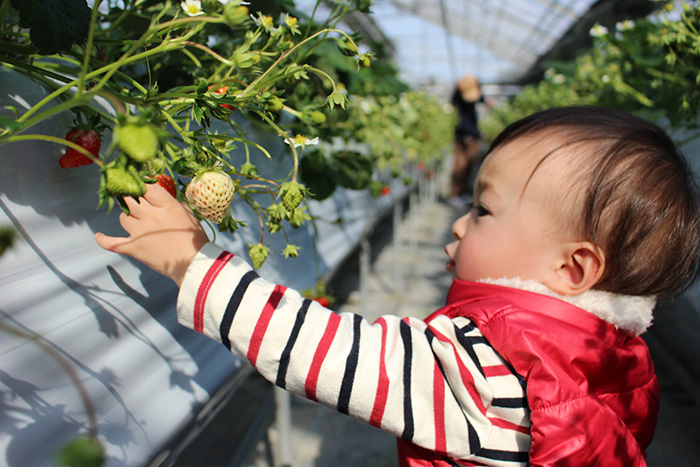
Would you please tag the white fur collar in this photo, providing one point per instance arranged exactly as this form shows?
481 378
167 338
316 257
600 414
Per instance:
629 313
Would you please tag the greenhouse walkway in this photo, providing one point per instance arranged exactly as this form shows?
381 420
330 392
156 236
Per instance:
320 437
407 277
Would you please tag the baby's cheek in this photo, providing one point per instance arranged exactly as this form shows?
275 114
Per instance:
467 260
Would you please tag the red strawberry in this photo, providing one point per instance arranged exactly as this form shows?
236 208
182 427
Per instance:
222 90
323 301
166 182
88 140
386 190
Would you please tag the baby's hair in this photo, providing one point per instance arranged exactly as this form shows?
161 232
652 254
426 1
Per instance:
640 206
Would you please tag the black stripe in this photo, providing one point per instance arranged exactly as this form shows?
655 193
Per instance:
284 358
507 456
430 335
510 402
482 340
350 367
478 340
467 344
474 442
451 462
233 304
468 328
408 427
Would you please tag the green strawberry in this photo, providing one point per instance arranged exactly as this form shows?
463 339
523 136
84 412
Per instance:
211 193
292 194
139 142
85 451
122 182
153 167
318 117
270 102
258 254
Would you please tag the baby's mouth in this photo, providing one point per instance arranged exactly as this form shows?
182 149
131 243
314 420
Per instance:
450 262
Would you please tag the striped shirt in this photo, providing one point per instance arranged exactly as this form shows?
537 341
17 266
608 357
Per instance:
437 384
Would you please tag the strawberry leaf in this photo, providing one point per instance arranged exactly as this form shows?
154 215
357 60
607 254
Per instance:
54 25
9 123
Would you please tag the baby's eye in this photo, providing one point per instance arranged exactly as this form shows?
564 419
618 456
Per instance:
479 210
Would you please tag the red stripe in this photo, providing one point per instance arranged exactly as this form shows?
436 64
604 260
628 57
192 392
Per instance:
382 394
468 382
263 322
467 377
205 286
496 370
509 425
320 355
439 409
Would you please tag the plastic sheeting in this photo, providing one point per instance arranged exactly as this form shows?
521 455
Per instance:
111 319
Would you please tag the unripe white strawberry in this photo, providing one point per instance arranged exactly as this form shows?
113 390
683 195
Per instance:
211 193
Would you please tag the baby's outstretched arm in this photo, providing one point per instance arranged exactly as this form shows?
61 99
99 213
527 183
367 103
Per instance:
163 234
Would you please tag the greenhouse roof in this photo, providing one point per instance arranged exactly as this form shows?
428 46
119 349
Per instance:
501 41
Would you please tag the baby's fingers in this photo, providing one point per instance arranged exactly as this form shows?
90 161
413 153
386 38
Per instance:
158 196
114 244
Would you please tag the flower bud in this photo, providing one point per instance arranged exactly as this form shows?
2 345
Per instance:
235 14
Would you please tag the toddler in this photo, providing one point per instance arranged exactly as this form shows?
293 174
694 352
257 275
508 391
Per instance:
582 216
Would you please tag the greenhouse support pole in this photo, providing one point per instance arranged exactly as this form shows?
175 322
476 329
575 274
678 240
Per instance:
283 420
397 230
423 191
365 252
414 214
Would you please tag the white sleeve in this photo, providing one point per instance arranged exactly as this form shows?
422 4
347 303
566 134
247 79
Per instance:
438 385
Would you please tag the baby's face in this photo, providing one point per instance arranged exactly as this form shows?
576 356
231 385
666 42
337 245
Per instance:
512 230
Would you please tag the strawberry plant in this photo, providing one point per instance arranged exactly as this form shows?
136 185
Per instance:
320 293
7 238
167 91
172 71
648 66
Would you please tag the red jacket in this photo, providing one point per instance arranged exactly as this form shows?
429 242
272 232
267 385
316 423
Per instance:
591 388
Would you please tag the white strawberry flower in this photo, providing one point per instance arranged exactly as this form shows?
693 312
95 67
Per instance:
598 31
624 25
558 79
300 141
192 7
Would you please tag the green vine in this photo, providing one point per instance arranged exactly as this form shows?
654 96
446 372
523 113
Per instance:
170 69
649 66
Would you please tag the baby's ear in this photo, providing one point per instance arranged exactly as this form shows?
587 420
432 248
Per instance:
580 268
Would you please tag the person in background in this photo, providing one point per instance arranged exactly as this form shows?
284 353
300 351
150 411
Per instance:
582 217
465 97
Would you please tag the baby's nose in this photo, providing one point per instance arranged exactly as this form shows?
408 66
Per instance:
459 227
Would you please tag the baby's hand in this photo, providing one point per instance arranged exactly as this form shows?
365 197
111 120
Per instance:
163 234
